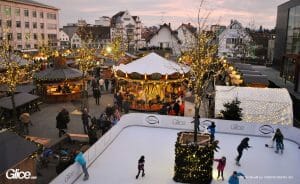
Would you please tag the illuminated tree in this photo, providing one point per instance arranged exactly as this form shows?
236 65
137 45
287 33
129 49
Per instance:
85 56
12 75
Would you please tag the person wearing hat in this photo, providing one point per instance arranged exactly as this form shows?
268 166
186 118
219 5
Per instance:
25 120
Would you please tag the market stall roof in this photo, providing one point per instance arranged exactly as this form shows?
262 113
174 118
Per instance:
22 88
263 105
152 63
21 61
58 74
242 66
20 99
14 149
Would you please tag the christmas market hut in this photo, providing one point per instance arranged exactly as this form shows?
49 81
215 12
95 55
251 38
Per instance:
150 81
59 83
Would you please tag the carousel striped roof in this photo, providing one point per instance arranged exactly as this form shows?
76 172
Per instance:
152 63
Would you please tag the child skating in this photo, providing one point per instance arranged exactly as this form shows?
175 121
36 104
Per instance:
141 164
221 166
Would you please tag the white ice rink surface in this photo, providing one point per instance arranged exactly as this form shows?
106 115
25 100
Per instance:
118 163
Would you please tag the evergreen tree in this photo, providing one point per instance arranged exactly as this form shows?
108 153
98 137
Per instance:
232 110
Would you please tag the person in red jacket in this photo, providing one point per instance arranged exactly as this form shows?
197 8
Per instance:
221 166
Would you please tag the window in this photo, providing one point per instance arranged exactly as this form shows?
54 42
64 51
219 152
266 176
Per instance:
35 36
42 36
26 13
18 24
17 11
42 25
34 25
9 36
19 47
33 13
27 25
8 23
7 10
52 36
51 16
0 22
51 26
19 36
35 46
41 15
28 46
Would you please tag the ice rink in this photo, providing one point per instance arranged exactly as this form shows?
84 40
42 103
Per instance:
118 163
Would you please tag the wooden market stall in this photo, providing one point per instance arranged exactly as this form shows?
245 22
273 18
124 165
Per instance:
60 83
150 81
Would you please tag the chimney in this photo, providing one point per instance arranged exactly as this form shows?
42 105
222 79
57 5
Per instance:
169 24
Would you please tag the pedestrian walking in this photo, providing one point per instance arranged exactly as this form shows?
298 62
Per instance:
62 119
197 123
278 138
25 120
126 106
212 130
243 145
234 178
141 164
80 159
120 101
221 166
181 108
106 81
97 95
85 120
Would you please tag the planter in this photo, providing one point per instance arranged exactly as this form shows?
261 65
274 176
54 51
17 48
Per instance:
193 162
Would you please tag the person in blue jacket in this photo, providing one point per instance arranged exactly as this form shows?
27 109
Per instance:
80 159
234 178
212 130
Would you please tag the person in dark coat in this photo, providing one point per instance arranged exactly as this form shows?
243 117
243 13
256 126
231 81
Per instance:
126 106
85 120
62 119
243 145
120 101
221 166
176 108
106 82
97 95
212 130
278 138
141 164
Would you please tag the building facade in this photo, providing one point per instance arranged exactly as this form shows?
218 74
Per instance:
287 42
29 24
103 21
187 35
129 28
165 38
234 41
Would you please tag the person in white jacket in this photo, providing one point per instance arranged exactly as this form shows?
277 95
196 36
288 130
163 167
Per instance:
271 143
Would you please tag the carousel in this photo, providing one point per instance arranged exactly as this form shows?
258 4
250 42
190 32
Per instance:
59 83
151 81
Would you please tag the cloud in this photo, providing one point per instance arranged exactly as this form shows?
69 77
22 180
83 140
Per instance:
153 12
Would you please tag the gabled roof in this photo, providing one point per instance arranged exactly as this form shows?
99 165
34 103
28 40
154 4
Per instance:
98 32
116 17
34 3
70 30
174 33
189 27
14 149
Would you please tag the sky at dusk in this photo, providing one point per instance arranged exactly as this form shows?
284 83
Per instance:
251 13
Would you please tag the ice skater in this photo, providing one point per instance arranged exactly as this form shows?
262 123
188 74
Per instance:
221 166
234 178
80 159
141 164
243 145
278 138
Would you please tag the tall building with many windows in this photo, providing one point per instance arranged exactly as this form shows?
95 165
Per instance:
29 23
287 42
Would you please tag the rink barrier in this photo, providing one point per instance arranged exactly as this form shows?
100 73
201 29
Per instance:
73 172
